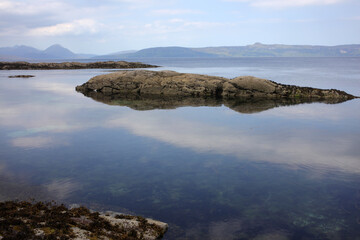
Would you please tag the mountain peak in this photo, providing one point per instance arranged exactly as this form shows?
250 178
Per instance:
55 46
59 51
258 44
55 51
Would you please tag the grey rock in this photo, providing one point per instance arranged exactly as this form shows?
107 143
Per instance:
169 83
147 228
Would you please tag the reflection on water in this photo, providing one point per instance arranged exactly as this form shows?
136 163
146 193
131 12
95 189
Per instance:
313 149
17 187
289 170
166 102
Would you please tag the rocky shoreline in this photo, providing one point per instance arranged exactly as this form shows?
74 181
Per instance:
144 83
26 220
72 65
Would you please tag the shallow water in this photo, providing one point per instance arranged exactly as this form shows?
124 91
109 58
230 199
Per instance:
210 171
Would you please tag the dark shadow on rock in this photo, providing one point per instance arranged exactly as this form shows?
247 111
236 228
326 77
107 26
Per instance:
246 105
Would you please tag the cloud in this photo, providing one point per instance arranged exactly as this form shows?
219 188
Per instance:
75 27
287 3
29 7
138 4
203 24
175 11
355 18
176 25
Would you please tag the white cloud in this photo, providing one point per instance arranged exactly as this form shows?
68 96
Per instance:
75 27
203 24
287 3
175 11
136 2
356 18
29 7
140 4
175 25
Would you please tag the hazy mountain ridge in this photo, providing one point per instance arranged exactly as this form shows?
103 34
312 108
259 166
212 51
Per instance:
282 50
254 50
22 52
56 51
159 52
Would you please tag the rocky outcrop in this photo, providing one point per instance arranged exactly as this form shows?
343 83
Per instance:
168 83
72 65
27 220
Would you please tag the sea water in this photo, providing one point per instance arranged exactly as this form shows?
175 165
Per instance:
211 172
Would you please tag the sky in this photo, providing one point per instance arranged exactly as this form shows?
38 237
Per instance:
108 26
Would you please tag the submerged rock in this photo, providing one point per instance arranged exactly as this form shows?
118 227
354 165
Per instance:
72 65
25 220
169 83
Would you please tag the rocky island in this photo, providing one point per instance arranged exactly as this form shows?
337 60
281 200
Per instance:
144 83
72 65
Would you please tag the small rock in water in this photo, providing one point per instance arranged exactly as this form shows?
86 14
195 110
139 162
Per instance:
21 76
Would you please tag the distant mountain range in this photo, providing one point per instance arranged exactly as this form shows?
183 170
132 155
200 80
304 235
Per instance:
55 51
158 52
255 50
281 50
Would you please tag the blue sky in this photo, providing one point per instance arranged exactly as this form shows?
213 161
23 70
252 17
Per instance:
107 26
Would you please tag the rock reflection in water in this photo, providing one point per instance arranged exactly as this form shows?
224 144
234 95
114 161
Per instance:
246 106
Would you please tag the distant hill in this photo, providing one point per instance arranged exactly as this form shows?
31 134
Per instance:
280 50
254 50
56 51
116 55
22 52
161 52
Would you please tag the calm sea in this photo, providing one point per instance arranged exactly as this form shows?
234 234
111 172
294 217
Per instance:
212 172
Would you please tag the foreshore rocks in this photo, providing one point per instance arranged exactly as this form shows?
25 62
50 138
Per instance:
72 65
146 83
28 220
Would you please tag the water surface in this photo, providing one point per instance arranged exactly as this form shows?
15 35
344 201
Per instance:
209 170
